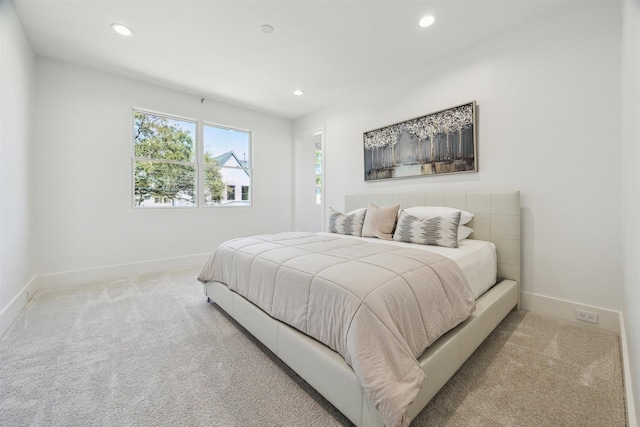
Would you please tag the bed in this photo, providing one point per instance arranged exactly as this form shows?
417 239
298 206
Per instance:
496 219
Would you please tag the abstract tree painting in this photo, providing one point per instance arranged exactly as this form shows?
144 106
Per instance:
437 143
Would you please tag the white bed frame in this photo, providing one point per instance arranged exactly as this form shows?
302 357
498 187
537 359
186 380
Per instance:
496 219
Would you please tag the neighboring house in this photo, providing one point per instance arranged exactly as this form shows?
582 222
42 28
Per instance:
237 177
184 200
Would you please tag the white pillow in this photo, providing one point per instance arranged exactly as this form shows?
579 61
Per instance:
464 232
426 212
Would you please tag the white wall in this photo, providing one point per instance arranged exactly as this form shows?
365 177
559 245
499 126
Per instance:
17 72
631 185
82 174
548 97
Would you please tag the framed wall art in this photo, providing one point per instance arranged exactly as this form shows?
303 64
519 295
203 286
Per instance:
438 143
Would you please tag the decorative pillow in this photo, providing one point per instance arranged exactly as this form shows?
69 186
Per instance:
380 222
350 223
439 231
464 232
426 212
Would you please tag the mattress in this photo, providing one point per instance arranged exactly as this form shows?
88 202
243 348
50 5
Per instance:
476 258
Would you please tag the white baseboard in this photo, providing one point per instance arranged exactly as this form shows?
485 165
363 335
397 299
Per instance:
608 320
11 311
113 272
92 275
626 370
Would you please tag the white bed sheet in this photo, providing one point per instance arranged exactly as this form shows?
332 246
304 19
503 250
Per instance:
476 258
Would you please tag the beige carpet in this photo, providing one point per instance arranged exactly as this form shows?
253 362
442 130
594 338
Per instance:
149 351
535 371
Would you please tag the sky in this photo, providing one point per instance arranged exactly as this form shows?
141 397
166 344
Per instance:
219 140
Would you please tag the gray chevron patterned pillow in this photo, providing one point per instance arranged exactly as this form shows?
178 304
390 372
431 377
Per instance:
350 223
439 231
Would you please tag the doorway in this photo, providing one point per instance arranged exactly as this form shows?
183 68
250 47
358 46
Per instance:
309 160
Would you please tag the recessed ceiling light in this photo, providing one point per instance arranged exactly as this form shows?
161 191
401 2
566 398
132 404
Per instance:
427 21
298 92
266 28
122 30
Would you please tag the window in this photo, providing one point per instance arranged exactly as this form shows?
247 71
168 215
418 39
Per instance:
226 165
318 175
165 161
169 170
231 192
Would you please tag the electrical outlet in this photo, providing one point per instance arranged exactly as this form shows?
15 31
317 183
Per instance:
587 316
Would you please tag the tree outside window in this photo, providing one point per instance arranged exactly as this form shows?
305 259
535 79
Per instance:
165 164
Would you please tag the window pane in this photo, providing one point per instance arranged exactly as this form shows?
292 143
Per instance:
318 162
231 192
318 175
215 188
227 166
164 184
162 138
226 147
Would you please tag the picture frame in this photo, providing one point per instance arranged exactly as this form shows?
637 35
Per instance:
437 143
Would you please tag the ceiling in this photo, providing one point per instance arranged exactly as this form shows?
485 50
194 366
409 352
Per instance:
214 49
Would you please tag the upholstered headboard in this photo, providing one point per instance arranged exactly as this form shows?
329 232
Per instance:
496 218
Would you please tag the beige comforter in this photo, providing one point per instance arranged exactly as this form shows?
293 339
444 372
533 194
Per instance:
378 305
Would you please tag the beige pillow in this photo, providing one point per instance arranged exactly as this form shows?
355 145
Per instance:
380 222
